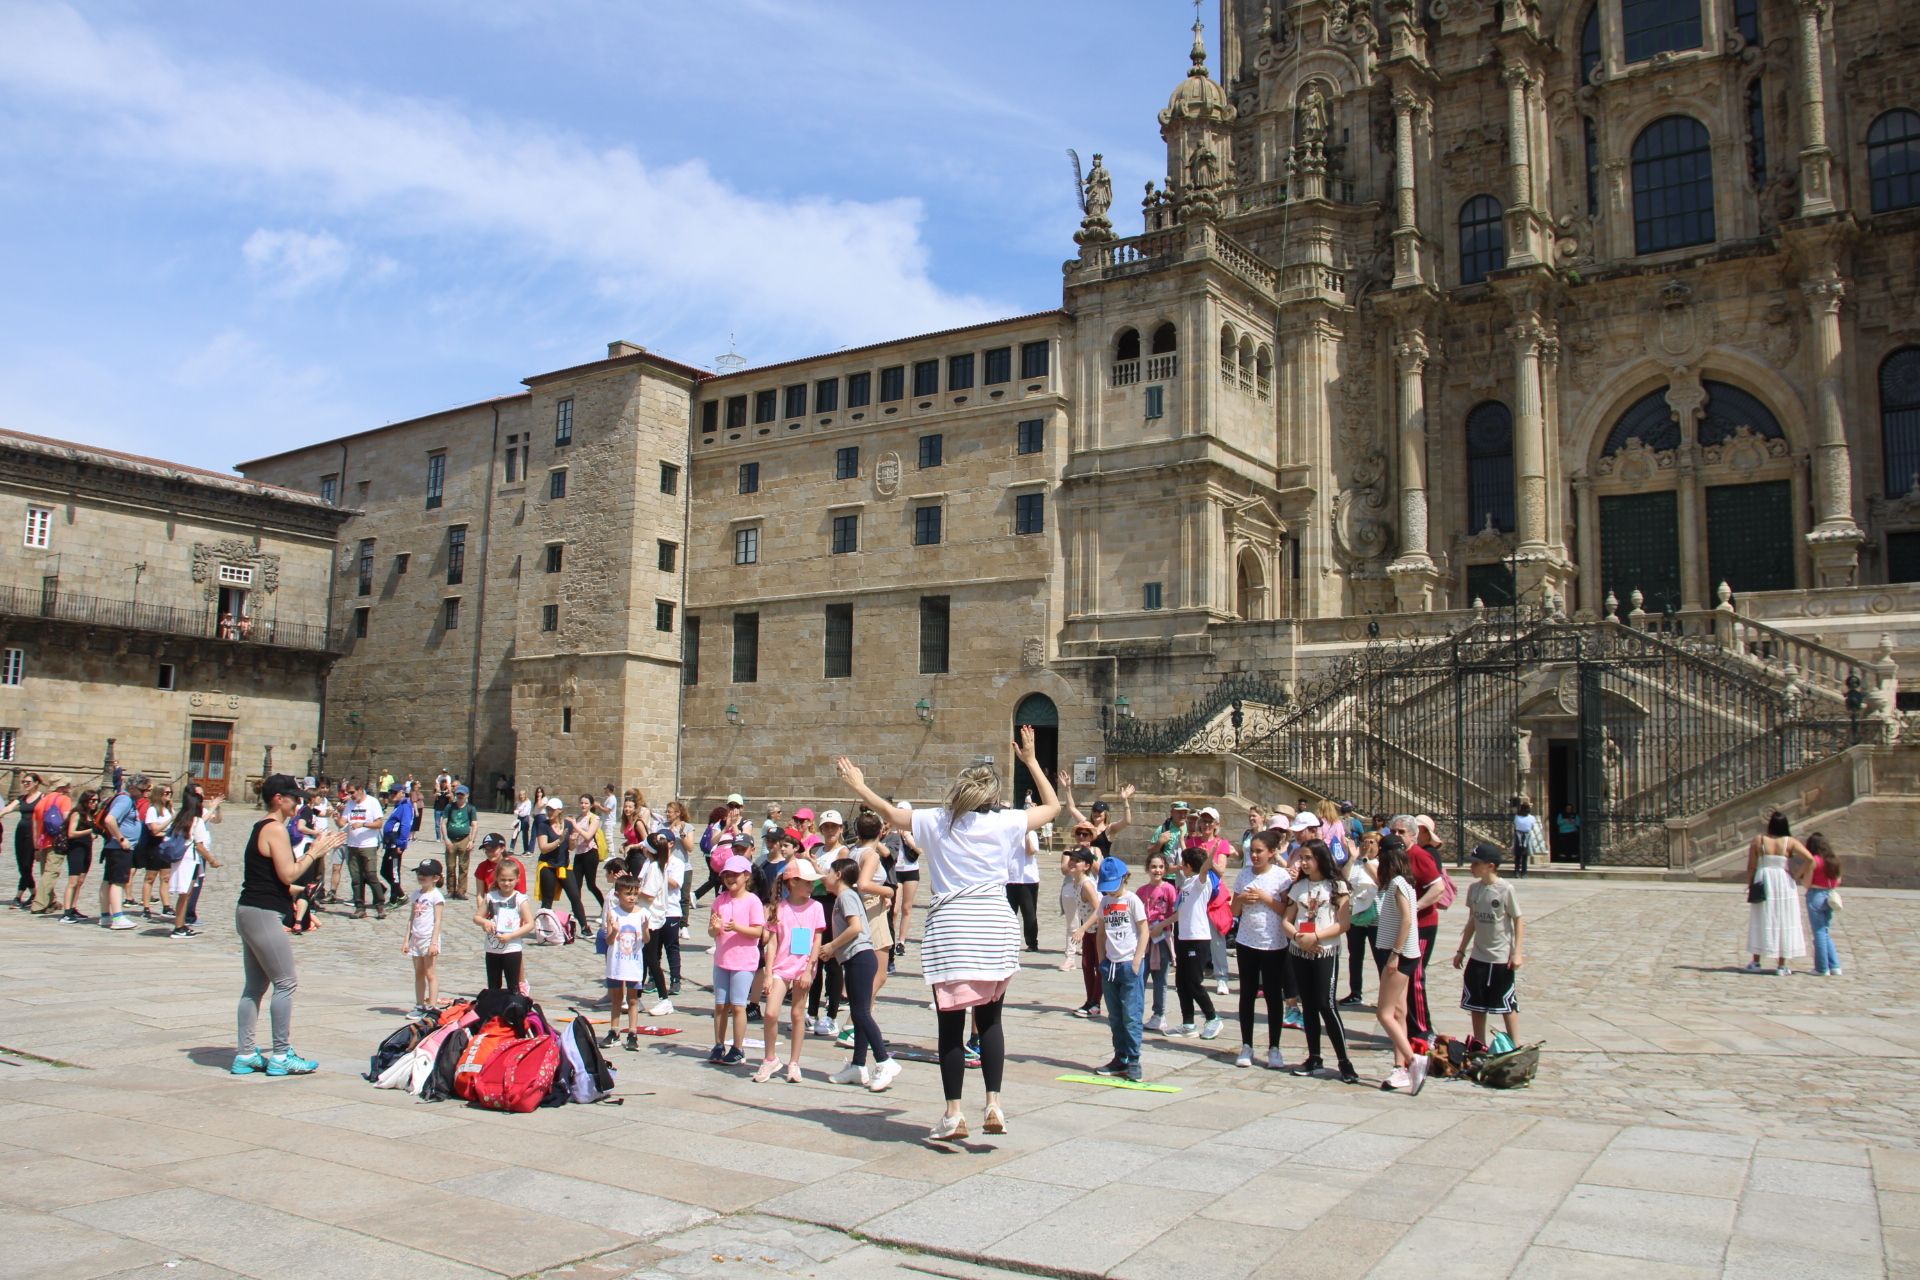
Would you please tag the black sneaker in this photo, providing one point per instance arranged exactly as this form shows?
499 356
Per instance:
1114 1068
610 1039
753 1013
184 932
1308 1066
734 1058
673 988
717 1054
1350 999
633 1043
1134 1074
1348 1075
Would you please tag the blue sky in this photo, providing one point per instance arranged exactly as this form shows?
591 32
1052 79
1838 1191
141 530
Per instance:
232 228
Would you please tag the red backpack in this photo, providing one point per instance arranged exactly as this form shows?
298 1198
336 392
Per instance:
518 1077
489 1040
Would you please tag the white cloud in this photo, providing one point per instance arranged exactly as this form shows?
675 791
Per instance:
812 270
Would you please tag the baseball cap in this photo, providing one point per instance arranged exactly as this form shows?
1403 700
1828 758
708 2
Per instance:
1307 820
736 799
493 840
735 864
1344 806
462 790
800 869
741 840
1181 804
1210 812
1101 806
832 818
1485 853
278 784
786 836
1113 873
803 815
430 867
397 788
810 842
555 802
908 805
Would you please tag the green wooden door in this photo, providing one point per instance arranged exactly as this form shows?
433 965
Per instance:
1640 549
1750 537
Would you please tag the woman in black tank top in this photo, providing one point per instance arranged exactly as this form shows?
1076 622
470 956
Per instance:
266 869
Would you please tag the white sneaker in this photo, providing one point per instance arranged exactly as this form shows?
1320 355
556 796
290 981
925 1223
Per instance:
849 1074
122 922
1184 1029
1245 1057
1220 987
1157 1024
1416 1074
662 1010
1784 972
1835 972
1211 1030
1753 966
1397 1081
1275 1062
823 1026
883 1075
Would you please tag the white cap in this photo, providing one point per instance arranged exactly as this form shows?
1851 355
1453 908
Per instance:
832 816
555 802
905 804
1210 812
1307 821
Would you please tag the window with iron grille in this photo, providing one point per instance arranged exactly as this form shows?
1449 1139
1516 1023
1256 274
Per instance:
839 645
450 614
1490 467
690 650
746 648
936 616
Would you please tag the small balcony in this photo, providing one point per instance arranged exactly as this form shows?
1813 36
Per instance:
203 623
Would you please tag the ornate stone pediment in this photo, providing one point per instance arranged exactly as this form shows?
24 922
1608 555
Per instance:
1635 463
240 553
1744 451
1487 545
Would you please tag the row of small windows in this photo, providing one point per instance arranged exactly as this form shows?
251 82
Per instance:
837 648
995 367
1029 517
931 451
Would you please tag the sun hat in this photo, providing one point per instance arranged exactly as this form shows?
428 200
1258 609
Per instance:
1113 874
832 818
735 864
800 869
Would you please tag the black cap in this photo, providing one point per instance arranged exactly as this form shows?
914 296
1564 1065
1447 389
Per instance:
1345 806
1101 806
1082 855
493 840
1485 853
430 867
277 784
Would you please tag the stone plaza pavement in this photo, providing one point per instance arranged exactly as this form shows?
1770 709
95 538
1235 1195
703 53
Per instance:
1689 1120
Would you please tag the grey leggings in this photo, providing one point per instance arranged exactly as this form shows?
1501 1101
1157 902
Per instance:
268 960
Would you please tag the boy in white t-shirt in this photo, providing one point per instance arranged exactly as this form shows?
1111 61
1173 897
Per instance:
1121 946
626 928
423 937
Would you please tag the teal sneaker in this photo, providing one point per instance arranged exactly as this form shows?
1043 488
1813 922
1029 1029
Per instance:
245 1064
290 1064
845 1038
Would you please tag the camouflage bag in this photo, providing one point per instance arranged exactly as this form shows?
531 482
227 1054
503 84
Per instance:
1513 1070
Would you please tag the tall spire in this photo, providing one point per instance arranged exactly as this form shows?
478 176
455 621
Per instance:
1199 43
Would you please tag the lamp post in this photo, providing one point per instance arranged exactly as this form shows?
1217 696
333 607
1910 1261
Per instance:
1856 703
733 716
1123 708
924 710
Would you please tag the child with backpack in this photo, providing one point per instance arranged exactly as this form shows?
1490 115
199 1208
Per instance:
796 925
423 937
504 918
1490 948
626 931
737 924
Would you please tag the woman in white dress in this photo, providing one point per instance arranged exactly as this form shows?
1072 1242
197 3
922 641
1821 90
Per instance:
1776 863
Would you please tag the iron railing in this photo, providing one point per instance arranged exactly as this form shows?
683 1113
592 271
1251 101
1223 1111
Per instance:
140 615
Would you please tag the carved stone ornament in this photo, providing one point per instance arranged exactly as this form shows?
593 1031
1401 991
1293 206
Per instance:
1781 337
1487 545
1033 653
207 559
886 475
1361 529
1635 463
1744 452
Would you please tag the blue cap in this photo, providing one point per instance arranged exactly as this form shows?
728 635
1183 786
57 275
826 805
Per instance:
1113 873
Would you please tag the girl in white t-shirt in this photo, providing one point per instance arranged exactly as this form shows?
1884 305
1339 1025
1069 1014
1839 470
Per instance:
1259 893
186 872
1397 951
423 937
505 917
1319 910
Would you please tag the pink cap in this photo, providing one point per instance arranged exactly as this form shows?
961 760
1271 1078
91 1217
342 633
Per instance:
735 863
810 842
803 815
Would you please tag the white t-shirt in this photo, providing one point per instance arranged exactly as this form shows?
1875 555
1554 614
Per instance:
626 943
1120 912
1523 824
509 914
1397 904
367 810
1195 893
420 921
1260 924
1360 880
1319 905
1029 871
199 838
975 849
524 809
676 877
653 888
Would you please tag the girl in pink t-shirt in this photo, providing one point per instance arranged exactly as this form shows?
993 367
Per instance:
1160 899
737 924
794 935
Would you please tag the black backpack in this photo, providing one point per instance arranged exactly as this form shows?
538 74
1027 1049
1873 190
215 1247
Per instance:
595 1062
439 1085
400 1044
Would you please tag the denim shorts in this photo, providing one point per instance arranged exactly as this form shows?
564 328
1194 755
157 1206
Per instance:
732 986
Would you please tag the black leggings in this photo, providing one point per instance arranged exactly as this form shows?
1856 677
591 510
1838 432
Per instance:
503 970
1263 975
553 884
1190 977
23 857
586 874
1314 980
650 958
861 971
670 947
1359 947
832 977
390 859
1025 901
953 1049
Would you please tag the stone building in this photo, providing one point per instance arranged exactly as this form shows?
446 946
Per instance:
1599 313
171 618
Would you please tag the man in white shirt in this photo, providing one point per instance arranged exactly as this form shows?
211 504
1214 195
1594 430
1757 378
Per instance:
362 819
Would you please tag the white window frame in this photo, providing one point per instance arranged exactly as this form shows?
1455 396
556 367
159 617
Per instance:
39 530
9 745
13 668
235 575
739 537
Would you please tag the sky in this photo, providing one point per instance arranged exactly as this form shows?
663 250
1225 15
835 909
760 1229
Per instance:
230 228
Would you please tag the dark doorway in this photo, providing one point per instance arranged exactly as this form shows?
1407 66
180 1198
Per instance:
1750 537
1037 709
1640 549
1563 789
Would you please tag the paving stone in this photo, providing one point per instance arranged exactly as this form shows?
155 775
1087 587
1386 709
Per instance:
1660 1226
1443 1249
1122 1218
971 1215
1808 1179
1543 1262
620 1209
1679 1171
42 1245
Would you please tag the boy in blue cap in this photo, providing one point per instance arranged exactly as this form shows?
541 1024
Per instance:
1121 943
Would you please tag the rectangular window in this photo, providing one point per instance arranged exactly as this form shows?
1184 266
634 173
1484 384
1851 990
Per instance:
557 483
1030 513
932 450
1033 435
960 372
235 575
1156 403
456 554
9 745
669 478
766 405
13 667
1150 596
400 562
566 719
549 617
710 417
749 477
846 534
360 620
746 545
563 422
926 377
513 460
746 648
926 526
669 558
690 650
826 395
366 566
556 556
168 676
846 463
1033 359
329 489
859 390
999 362
663 615
450 618
893 383
736 412
935 614
796 400
839 647
40 527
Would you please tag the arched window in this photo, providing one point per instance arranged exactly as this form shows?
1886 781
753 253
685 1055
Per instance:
1165 339
1729 408
1900 418
1648 420
1659 26
1483 239
1127 345
1590 45
1490 467
1672 185
1263 371
1893 160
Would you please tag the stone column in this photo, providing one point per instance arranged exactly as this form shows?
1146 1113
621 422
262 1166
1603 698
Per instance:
1835 539
1816 158
1529 434
1518 78
1406 233
1692 532
1587 510
1415 577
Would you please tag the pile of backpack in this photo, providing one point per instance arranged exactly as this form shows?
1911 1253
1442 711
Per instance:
498 1052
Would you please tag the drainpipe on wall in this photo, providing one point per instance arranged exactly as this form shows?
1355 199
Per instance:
686 552
480 607
333 576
